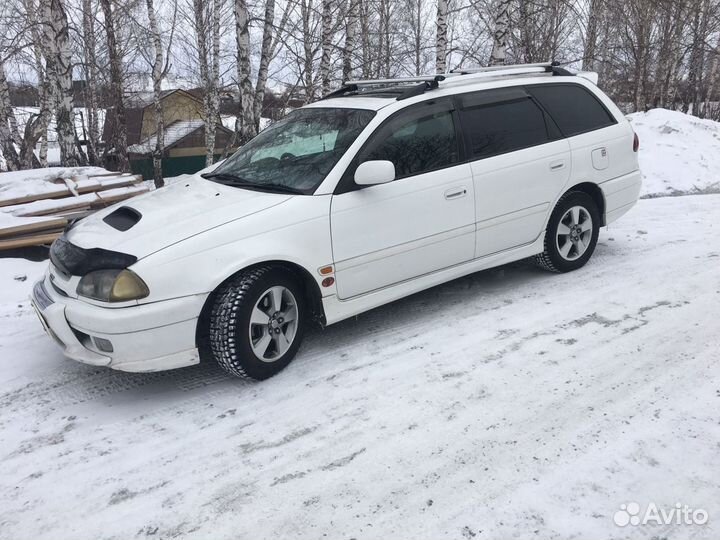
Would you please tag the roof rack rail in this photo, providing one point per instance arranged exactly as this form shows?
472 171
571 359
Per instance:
512 69
430 82
489 69
418 89
398 80
425 82
344 90
552 68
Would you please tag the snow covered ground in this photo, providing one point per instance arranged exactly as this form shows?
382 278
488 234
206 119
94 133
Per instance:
679 153
512 403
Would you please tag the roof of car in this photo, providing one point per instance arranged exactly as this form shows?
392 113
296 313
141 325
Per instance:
380 93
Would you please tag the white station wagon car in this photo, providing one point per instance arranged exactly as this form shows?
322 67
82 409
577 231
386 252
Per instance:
377 191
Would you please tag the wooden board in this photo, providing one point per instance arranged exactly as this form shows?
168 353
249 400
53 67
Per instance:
74 203
29 240
73 199
111 174
50 194
87 185
88 200
76 214
33 227
106 200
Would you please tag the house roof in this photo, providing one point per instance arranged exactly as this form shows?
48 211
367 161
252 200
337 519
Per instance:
141 100
173 133
135 105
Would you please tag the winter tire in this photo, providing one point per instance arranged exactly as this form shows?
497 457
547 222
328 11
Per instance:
257 323
571 233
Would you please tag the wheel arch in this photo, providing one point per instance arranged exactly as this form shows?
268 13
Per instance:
595 192
313 296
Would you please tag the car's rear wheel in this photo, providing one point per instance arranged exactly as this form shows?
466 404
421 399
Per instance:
257 323
571 233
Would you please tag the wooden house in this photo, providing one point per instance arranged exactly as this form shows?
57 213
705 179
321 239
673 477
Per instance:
184 144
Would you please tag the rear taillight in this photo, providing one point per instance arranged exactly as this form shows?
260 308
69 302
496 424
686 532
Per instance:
636 142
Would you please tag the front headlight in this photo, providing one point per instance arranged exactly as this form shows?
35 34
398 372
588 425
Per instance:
112 286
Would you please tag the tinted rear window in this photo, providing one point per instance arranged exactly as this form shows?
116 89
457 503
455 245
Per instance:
574 109
503 127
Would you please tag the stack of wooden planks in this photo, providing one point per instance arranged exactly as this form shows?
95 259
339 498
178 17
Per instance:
39 218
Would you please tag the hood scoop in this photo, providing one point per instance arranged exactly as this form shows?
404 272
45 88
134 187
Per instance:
123 219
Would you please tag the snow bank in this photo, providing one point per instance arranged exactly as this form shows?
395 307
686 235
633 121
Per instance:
679 153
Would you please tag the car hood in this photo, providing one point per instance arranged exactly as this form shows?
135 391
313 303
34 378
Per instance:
170 215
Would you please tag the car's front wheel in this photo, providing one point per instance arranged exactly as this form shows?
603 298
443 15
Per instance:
257 322
571 233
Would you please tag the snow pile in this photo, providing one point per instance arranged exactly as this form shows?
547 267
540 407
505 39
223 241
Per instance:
679 153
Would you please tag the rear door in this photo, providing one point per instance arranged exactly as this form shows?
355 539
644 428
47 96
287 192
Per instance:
601 147
421 222
520 164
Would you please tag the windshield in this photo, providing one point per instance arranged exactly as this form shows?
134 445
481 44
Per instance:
295 153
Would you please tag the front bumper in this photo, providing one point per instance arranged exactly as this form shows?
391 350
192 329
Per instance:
147 337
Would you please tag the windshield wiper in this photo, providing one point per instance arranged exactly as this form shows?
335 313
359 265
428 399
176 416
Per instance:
222 176
281 187
237 181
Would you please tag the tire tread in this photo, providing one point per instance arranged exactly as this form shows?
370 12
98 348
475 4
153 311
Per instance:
223 319
543 260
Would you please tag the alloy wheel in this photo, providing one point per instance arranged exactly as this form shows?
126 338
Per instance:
273 323
574 233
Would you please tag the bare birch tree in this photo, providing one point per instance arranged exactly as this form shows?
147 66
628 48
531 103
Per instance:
56 29
269 45
326 45
207 34
441 39
306 12
7 138
245 122
157 77
91 82
38 53
591 35
119 143
500 34
350 39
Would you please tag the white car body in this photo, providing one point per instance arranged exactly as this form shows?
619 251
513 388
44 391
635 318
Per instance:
382 243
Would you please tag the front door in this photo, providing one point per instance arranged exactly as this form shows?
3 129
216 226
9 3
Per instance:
421 222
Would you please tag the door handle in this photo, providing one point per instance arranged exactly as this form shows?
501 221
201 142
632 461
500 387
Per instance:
557 165
455 193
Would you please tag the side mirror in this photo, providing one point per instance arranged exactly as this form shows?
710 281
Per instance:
375 172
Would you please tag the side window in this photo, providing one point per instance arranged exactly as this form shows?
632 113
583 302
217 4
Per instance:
502 127
574 109
421 140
